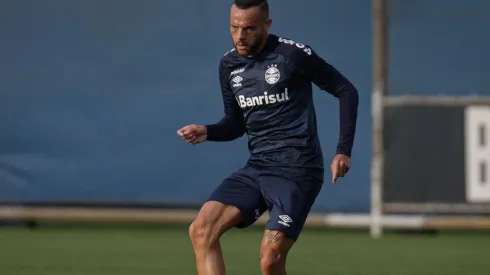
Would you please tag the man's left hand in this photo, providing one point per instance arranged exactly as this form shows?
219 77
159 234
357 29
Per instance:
340 166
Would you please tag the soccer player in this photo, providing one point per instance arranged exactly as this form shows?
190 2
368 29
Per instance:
266 83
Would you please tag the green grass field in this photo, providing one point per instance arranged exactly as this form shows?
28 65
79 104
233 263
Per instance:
123 250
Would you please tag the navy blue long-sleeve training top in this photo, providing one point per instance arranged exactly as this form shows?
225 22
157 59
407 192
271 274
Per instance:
269 97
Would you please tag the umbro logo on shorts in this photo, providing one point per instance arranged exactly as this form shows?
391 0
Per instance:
285 220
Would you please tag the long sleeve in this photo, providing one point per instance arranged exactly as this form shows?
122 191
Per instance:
329 79
232 125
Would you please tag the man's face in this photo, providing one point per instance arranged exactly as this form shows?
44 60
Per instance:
249 29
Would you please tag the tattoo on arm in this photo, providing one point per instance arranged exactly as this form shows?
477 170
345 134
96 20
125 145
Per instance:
273 236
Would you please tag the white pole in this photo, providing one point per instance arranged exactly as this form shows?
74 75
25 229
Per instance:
380 52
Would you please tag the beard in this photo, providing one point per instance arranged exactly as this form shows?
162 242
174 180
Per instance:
252 48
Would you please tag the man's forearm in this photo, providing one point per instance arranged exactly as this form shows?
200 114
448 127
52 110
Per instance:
348 101
227 129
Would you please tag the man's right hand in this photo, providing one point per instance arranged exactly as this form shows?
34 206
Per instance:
193 134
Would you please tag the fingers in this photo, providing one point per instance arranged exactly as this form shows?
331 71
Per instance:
193 139
340 166
189 134
185 131
180 132
335 170
335 175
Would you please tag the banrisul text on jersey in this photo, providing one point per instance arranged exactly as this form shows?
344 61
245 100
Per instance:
262 99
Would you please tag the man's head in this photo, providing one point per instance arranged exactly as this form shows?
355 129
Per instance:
249 25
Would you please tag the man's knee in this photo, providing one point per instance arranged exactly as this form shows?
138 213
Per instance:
213 220
273 252
200 232
271 261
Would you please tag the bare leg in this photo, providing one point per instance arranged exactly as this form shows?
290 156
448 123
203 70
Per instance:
213 220
273 252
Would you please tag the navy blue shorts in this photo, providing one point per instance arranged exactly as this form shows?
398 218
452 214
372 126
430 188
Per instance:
288 197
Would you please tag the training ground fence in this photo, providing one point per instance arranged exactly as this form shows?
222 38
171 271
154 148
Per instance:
431 153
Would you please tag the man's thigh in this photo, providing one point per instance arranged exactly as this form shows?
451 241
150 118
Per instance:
289 200
241 190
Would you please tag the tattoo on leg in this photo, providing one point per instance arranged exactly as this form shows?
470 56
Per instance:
273 236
